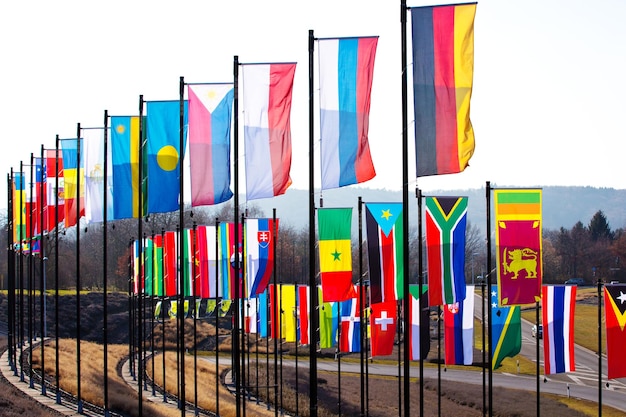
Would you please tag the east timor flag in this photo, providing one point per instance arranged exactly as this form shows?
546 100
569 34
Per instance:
443 71
334 227
615 315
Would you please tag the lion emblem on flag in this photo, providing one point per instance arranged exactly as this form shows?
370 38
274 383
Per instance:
520 260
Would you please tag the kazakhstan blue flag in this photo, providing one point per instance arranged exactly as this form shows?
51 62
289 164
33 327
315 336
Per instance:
164 154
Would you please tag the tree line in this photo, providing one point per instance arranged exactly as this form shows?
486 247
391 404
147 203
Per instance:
593 251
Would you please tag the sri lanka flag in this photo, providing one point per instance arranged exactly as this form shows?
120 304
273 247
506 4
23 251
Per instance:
615 315
443 70
385 252
518 245
210 113
259 238
458 319
445 241
164 154
346 74
267 90
558 303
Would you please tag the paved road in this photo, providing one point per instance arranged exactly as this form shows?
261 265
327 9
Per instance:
582 383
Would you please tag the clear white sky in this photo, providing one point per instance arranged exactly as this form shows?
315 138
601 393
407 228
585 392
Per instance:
548 103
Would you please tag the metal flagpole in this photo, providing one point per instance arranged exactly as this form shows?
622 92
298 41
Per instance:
105 214
362 304
140 273
181 274
538 370
162 314
489 283
405 219
42 274
21 268
600 347
274 320
217 319
11 269
423 300
237 370
56 269
313 293
31 278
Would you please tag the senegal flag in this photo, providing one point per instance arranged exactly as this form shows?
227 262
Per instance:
334 226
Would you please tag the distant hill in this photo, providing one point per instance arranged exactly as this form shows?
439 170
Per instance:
562 206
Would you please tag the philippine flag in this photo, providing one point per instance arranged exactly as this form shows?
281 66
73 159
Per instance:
558 305
346 74
267 90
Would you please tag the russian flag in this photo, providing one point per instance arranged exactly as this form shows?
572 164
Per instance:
267 90
346 73
210 113
458 321
558 305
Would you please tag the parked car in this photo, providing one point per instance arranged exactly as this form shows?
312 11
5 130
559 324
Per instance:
575 281
537 333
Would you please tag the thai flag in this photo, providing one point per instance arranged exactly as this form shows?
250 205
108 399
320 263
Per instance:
558 305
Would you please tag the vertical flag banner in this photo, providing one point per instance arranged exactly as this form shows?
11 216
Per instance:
518 245
207 262
19 207
443 71
384 325
506 330
171 260
189 260
287 303
267 90
164 154
94 177
148 265
157 265
446 219
615 317
259 253
419 337
36 205
350 326
210 114
55 197
250 314
72 169
303 315
263 313
346 74
334 228
458 320
558 304
227 245
125 145
384 248
329 312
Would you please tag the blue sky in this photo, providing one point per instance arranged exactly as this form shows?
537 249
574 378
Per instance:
547 104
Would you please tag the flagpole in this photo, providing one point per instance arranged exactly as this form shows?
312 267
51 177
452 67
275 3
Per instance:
140 275
56 268
236 234
439 360
31 278
21 267
362 304
405 219
338 356
420 277
11 269
162 314
600 346
105 328
181 221
217 319
78 332
313 294
274 327
195 321
489 283
484 351
42 264
538 371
